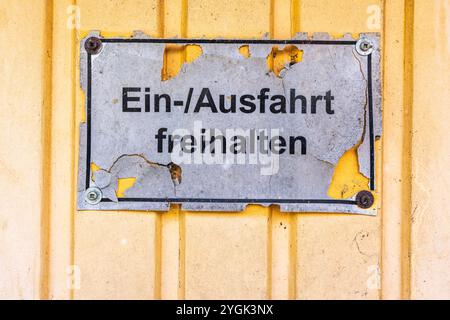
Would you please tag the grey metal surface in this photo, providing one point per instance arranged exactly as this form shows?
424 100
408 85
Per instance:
124 145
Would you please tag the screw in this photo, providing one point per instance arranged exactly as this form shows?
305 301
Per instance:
364 46
93 195
365 199
93 45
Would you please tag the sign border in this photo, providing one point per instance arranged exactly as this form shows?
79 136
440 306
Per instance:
231 41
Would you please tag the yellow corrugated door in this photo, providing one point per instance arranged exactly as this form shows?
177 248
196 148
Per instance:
49 250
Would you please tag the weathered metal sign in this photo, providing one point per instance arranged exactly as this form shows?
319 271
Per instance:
226 131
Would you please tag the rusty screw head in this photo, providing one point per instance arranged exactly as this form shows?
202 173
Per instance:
365 199
93 45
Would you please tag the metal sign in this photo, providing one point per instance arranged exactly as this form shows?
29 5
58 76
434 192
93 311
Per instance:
226 131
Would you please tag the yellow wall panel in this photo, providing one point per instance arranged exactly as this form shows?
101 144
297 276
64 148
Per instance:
338 257
327 245
124 244
226 255
115 256
24 122
63 146
394 214
119 17
339 17
430 275
228 19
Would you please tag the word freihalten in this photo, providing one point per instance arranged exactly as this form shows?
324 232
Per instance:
234 141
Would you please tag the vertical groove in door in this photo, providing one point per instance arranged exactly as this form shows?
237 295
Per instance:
293 256
158 248
295 17
408 90
271 208
271 19
392 156
46 128
295 27
182 254
74 143
182 214
158 217
160 17
282 227
269 252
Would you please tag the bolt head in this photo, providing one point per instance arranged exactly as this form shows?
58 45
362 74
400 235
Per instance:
365 199
93 45
93 195
364 47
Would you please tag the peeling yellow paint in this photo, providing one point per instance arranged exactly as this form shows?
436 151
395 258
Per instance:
193 52
123 184
94 169
244 51
347 180
279 58
175 56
